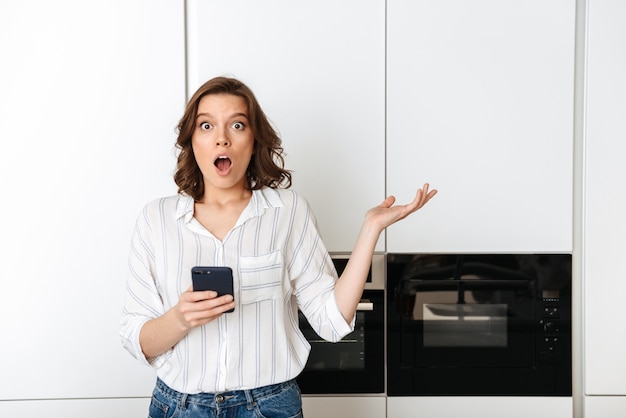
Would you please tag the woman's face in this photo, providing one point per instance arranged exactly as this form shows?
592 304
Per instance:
222 141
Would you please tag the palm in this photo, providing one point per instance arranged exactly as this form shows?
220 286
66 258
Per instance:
387 214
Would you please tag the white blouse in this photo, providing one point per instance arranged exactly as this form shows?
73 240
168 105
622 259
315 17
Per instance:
279 264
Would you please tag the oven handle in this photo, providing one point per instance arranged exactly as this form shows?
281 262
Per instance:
365 305
473 284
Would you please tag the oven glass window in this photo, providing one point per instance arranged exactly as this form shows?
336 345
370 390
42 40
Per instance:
464 325
356 363
347 354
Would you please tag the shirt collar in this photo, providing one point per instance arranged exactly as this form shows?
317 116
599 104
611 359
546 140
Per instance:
261 200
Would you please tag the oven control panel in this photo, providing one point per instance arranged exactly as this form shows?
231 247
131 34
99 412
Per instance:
550 333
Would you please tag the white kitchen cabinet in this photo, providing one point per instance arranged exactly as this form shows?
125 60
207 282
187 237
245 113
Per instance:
605 407
480 104
344 406
91 95
479 407
76 408
604 233
318 70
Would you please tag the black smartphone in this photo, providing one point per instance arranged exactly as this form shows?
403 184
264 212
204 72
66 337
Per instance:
219 279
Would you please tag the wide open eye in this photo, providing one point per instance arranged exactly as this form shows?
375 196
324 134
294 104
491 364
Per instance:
205 125
238 126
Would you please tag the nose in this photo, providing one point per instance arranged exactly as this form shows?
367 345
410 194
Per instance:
222 139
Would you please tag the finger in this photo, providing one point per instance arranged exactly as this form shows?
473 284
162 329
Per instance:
215 302
425 195
208 316
200 312
418 200
201 318
429 196
388 202
422 196
206 294
215 307
199 295
223 300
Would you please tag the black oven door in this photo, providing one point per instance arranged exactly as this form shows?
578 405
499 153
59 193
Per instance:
356 363
479 324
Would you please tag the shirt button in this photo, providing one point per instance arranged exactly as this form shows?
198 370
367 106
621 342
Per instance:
219 398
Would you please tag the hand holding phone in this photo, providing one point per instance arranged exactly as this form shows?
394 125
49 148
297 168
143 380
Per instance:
218 279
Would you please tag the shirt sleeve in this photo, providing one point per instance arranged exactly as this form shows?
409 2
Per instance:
143 301
313 276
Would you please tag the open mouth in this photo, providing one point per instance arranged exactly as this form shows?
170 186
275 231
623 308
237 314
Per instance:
222 163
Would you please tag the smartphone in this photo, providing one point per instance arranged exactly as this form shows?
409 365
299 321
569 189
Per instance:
219 279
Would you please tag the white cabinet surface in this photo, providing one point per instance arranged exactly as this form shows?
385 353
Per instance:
480 104
605 407
318 70
605 201
76 408
479 407
344 406
91 95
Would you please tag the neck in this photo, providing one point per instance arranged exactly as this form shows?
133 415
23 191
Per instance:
224 197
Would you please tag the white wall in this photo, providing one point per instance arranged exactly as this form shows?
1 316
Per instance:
90 95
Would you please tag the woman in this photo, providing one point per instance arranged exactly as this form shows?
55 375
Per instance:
234 209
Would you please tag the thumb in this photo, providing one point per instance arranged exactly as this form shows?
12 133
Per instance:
388 202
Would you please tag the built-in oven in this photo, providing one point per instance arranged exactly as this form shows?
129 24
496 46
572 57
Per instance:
355 364
479 324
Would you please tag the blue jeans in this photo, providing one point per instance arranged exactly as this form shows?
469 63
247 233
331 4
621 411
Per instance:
282 400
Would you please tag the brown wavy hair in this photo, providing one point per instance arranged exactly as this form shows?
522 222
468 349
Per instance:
266 168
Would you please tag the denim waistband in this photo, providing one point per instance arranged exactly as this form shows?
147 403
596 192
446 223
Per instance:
223 399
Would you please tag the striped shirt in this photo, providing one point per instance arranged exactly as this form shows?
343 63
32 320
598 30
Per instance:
279 264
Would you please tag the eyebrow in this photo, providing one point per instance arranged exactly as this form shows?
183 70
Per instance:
240 114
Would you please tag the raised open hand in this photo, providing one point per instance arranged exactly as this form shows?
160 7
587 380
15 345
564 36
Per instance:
349 287
387 214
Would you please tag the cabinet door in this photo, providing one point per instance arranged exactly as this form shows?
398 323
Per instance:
604 231
345 407
317 68
480 104
604 406
76 408
481 407
91 95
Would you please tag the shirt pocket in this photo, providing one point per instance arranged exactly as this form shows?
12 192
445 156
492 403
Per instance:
261 277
